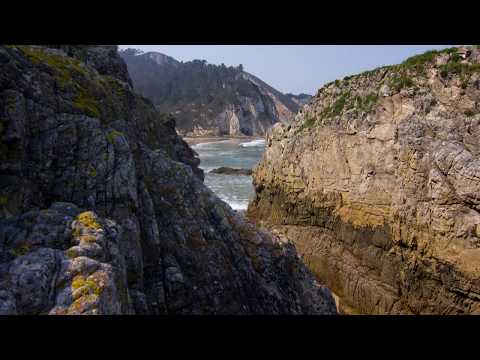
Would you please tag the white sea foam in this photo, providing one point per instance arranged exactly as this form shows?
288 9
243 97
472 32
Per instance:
201 145
237 205
259 142
235 190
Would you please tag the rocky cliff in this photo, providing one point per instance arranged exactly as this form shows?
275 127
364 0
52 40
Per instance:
103 209
208 100
300 99
377 182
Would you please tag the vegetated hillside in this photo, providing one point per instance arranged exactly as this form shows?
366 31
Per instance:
377 182
208 99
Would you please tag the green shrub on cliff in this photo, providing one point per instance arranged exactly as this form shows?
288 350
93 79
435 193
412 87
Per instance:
400 81
309 123
454 66
336 108
87 105
366 103
418 62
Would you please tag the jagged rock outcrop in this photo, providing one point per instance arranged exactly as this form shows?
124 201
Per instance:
377 182
208 100
103 209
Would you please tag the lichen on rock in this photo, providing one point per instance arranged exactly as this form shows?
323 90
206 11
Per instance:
105 208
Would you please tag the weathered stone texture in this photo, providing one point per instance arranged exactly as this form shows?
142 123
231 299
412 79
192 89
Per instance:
103 209
377 183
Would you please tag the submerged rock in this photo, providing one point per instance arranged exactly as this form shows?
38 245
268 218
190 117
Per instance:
103 209
377 183
231 171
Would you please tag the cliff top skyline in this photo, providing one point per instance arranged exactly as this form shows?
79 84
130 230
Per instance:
294 68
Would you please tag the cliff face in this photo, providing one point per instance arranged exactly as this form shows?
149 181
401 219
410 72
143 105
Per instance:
300 99
377 182
208 100
103 209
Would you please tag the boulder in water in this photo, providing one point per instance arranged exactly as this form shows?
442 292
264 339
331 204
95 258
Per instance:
231 171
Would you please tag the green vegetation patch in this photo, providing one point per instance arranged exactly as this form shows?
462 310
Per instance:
464 70
309 123
73 75
400 81
418 62
336 108
88 105
367 103
65 67
415 63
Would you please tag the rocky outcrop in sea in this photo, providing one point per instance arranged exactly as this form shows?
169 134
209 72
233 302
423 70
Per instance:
231 171
377 183
103 209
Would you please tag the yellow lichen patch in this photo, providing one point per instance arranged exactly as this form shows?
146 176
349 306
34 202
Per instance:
78 282
83 303
93 286
88 220
82 286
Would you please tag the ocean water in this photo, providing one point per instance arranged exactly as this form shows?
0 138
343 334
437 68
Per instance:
236 190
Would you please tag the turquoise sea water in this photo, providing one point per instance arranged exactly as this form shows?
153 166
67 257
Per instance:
236 190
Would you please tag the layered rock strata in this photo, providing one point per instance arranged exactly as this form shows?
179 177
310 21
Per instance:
377 182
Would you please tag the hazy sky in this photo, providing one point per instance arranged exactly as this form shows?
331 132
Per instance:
294 68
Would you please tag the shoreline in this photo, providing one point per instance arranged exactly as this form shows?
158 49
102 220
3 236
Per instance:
200 140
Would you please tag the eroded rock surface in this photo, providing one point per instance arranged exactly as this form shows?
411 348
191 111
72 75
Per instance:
377 183
103 209
62 261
